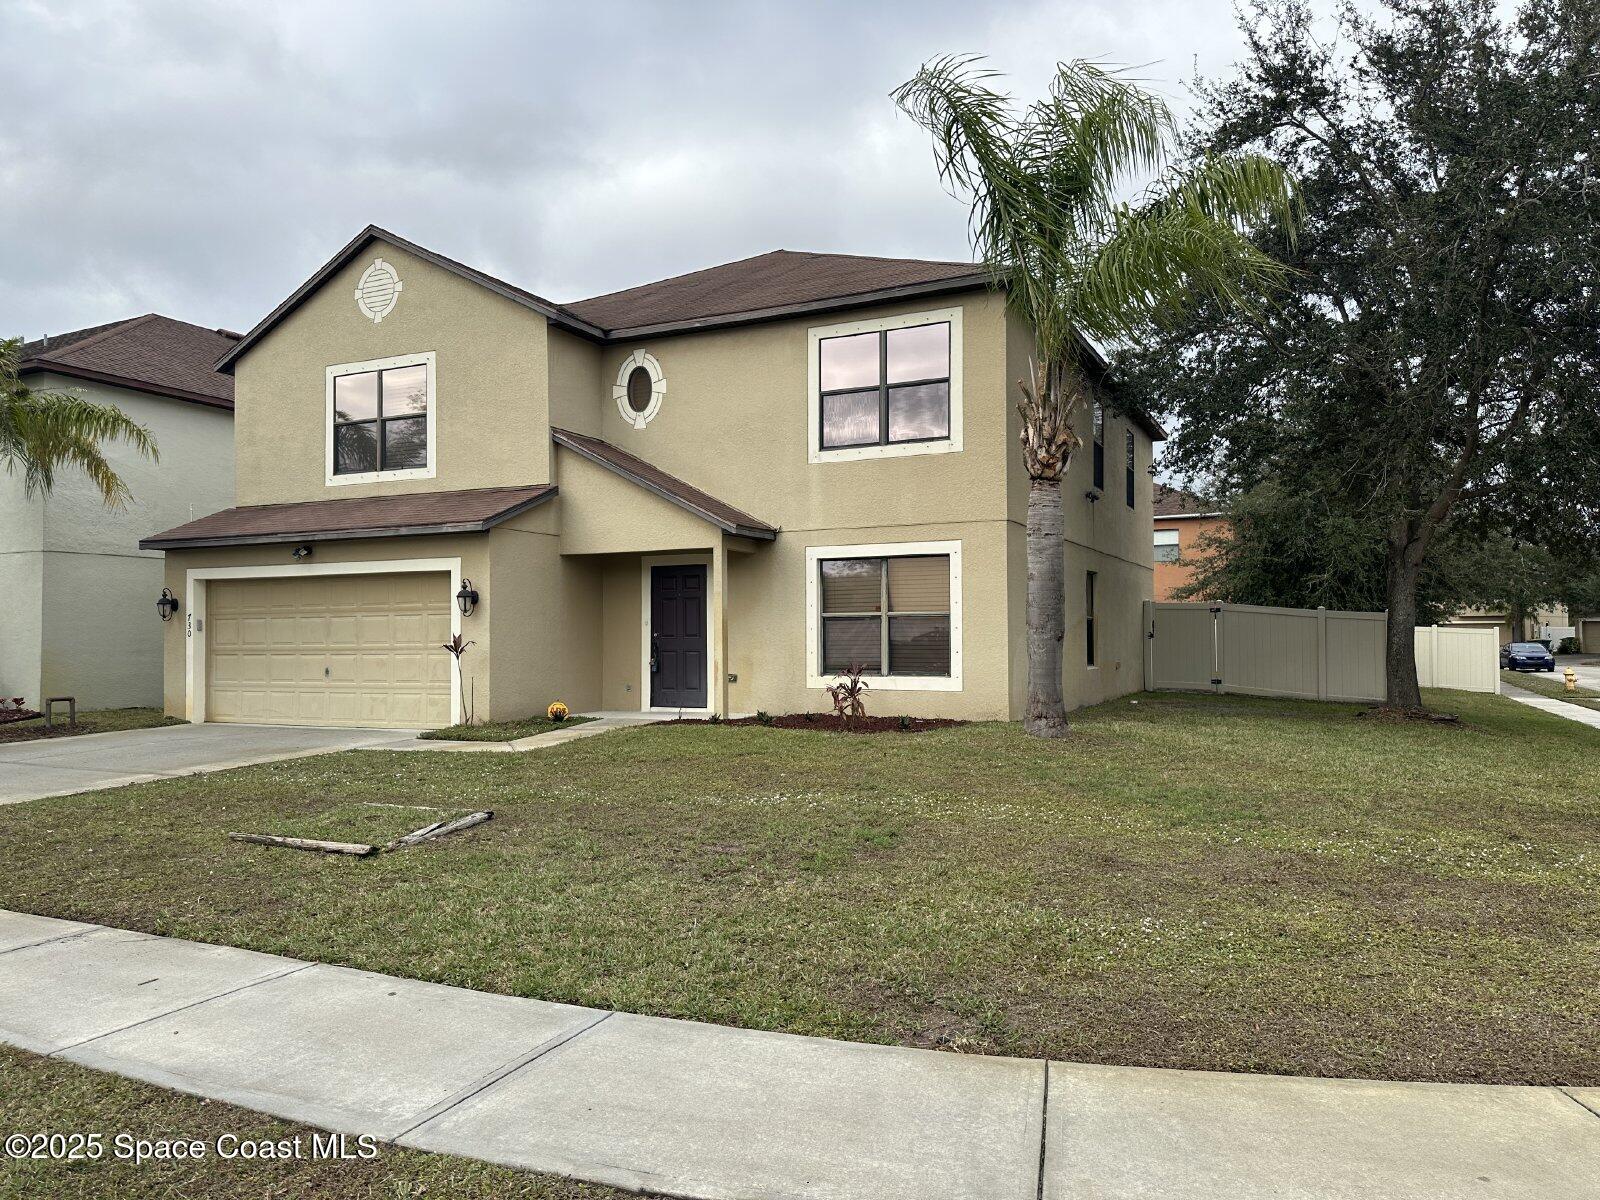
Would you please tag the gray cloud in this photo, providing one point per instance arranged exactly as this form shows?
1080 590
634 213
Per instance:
201 160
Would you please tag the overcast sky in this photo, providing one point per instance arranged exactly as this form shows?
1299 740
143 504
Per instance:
202 159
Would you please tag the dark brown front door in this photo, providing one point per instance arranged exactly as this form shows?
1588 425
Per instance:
678 636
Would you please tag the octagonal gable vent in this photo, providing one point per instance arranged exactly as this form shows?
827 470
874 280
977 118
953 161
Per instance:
378 290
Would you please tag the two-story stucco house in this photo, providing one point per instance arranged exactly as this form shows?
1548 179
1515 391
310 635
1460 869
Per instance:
80 595
707 494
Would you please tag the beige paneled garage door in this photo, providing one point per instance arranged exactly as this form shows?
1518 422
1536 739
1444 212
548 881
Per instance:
329 650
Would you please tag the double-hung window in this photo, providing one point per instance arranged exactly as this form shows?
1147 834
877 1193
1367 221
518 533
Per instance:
886 387
1090 643
381 420
1166 546
893 611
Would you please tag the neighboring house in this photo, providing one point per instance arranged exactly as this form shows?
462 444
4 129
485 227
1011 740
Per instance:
713 493
1181 520
80 616
1539 624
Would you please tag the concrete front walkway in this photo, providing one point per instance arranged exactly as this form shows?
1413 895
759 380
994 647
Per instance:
684 1109
61 766
1556 708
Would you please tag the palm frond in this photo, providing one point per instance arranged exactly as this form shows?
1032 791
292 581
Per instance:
43 431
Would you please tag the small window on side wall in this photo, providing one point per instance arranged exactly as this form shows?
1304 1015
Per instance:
1166 546
1099 446
1089 581
1129 441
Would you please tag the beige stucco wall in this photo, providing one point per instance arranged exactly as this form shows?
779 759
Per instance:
491 389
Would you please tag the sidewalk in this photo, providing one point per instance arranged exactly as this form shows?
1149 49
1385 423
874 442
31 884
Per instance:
692 1110
1556 708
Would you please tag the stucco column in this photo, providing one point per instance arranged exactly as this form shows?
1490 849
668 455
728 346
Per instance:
719 626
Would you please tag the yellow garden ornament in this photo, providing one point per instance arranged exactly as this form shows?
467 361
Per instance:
558 711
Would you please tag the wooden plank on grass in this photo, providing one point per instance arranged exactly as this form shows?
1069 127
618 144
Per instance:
439 829
358 849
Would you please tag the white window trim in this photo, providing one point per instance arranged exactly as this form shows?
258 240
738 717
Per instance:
196 579
814 338
712 665
884 683
382 364
658 388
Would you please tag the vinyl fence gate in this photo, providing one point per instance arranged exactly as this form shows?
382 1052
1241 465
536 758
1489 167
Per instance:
1251 650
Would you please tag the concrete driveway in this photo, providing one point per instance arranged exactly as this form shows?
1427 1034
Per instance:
1588 677
60 766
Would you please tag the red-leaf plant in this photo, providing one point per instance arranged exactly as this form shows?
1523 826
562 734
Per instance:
457 648
849 694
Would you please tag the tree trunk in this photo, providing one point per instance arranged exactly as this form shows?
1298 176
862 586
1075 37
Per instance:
1046 716
1400 654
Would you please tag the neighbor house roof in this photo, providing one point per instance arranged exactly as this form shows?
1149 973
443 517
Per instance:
470 511
1175 502
151 353
669 487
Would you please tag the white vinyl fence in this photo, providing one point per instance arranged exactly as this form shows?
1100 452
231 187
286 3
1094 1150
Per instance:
1303 653
1456 656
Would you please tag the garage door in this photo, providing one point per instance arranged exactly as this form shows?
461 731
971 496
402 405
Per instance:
1589 632
329 650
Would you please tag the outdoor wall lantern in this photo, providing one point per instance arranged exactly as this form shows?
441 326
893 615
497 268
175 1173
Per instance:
301 552
467 598
167 605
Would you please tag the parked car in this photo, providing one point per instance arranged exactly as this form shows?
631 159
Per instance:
1526 656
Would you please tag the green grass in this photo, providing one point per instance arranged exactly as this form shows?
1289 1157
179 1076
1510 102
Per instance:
501 731
1553 686
103 720
1184 881
43 1095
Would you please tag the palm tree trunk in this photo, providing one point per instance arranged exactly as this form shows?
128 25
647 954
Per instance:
1045 716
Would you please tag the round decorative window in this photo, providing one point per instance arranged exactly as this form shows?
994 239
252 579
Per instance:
639 389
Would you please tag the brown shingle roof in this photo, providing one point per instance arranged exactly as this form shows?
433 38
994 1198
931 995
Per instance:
669 487
777 280
1175 502
151 353
471 511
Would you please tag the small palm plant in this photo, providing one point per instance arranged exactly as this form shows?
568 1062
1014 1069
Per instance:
1078 261
456 648
849 694
41 432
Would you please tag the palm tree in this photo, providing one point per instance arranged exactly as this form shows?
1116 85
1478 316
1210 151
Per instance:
1078 261
44 431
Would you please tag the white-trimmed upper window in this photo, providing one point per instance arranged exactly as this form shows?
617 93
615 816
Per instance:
380 422
885 387
1166 545
894 610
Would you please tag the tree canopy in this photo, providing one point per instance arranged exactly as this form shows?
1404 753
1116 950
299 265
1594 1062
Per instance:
1428 374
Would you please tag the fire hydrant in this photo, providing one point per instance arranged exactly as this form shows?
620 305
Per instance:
1572 679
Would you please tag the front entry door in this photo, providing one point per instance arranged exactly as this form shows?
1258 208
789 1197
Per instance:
678 636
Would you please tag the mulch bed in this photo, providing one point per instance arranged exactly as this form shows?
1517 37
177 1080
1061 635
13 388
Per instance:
829 723
8 715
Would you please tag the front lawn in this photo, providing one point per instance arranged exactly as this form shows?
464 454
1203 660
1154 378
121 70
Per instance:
1553 686
1185 881
103 720
46 1095
501 731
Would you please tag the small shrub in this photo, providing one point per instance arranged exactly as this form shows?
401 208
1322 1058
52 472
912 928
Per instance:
1568 646
905 722
763 717
810 716
558 711
849 694
715 718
